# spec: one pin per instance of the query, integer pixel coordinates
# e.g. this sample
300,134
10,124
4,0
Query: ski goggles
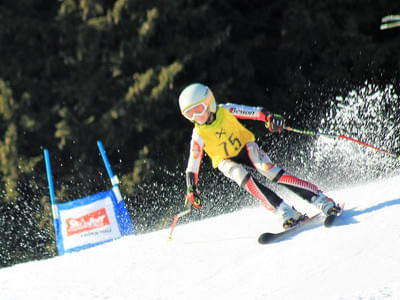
195,111
199,108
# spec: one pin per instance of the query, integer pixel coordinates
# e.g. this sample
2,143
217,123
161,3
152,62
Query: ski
309,223
270,237
330,220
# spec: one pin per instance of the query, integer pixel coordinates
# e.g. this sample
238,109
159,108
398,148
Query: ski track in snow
219,258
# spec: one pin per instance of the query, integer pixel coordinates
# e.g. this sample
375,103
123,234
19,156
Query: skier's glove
275,123
192,197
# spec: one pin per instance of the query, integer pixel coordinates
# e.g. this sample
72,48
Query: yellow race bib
225,137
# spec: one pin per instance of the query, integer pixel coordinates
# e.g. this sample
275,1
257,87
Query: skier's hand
275,123
192,197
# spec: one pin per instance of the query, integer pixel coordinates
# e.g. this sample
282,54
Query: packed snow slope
219,258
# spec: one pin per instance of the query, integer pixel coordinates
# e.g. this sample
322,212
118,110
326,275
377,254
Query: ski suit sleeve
247,112
195,159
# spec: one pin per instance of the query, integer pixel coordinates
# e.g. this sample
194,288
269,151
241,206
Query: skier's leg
267,197
310,192
306,190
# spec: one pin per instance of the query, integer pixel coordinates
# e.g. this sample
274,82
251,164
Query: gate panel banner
90,221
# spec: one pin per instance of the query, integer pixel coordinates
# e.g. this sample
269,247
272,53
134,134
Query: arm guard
191,179
247,112
195,159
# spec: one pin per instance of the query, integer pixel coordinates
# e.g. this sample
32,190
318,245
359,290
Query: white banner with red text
90,221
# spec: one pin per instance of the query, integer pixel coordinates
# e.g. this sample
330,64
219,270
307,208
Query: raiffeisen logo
93,220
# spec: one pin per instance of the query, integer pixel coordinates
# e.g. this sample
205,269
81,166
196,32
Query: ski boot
290,217
325,204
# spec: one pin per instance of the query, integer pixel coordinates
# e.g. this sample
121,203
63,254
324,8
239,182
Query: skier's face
202,118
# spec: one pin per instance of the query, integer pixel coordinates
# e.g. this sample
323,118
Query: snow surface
219,258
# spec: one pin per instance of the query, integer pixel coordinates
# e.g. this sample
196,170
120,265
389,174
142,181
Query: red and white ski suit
232,149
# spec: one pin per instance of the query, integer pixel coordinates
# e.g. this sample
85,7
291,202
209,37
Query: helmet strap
211,118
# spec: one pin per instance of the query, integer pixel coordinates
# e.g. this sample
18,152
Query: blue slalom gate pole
114,179
127,226
49,177
51,191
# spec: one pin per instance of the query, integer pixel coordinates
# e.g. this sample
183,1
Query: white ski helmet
195,99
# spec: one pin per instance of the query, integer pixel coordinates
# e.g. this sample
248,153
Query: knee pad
233,170
261,162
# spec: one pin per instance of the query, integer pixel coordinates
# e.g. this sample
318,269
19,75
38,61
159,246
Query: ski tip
261,238
266,238
329,220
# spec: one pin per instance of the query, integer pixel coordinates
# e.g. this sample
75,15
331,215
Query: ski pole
337,136
181,214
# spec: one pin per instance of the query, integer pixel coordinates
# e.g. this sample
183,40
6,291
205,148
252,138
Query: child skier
232,147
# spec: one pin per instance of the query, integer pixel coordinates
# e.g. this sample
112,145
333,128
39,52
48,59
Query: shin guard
268,198
303,188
